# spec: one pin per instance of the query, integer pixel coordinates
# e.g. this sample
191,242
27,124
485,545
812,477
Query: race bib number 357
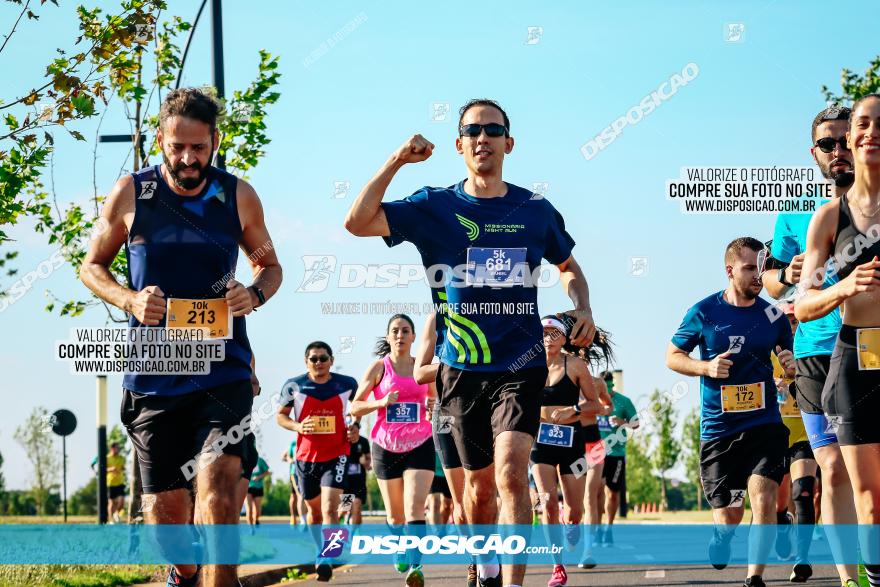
742,398
402,413
212,316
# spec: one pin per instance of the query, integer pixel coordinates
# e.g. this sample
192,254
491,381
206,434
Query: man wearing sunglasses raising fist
814,341
318,401
483,239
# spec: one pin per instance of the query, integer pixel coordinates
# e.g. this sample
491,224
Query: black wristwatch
780,275
260,297
577,409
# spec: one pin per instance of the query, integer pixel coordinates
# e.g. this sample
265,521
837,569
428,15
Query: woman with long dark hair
558,454
402,448
847,229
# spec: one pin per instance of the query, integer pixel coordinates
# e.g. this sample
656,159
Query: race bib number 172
742,398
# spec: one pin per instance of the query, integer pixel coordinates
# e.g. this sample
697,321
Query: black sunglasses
827,144
321,359
493,129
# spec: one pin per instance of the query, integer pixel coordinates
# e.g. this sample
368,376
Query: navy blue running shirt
187,245
716,327
483,255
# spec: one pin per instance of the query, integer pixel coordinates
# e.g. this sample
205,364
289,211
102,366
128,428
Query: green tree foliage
641,484
276,496
853,86
665,454
84,501
690,443
117,434
38,441
126,55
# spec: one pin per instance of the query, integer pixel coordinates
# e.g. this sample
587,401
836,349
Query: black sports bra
848,240
562,393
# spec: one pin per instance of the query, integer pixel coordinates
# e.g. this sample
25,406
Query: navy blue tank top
848,239
188,246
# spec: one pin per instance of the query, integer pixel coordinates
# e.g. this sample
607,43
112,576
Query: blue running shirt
481,255
816,337
716,327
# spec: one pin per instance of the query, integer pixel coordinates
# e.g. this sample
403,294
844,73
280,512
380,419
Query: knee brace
802,494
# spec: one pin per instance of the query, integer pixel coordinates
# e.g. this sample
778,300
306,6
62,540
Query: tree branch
18,20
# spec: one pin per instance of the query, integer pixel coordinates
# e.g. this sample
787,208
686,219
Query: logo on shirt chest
503,228
148,190
736,343
473,230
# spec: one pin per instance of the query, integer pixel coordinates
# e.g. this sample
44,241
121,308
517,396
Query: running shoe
800,573
719,549
754,581
558,577
175,580
490,582
572,536
401,565
849,583
324,571
588,563
607,537
783,538
415,577
472,575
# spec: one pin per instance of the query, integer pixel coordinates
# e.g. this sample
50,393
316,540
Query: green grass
78,575
48,520
689,517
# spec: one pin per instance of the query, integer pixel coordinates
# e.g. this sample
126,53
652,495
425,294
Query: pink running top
403,425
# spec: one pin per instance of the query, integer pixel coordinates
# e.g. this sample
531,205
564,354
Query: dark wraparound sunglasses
321,359
492,129
827,144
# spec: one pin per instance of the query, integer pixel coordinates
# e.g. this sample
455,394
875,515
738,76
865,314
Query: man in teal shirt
297,507
255,492
614,472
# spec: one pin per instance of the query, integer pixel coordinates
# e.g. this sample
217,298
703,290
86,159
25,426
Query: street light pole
217,59
101,401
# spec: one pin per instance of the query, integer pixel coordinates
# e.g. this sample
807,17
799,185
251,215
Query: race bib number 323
742,398
212,316
555,434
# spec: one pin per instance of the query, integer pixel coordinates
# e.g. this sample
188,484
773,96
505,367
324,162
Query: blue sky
343,111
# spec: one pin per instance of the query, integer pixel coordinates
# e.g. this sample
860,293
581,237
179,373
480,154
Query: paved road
537,576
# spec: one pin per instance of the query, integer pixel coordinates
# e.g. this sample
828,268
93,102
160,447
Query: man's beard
186,183
747,292
841,179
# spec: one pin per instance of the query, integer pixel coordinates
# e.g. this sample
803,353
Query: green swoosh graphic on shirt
473,231
484,344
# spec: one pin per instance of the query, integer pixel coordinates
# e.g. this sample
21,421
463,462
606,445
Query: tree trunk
699,497
663,503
